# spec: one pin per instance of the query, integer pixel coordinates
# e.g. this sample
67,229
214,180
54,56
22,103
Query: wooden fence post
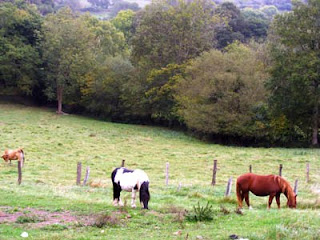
280,170
122,164
250,168
179,187
214,173
78,173
296,187
307,170
19,172
167,173
228,190
87,176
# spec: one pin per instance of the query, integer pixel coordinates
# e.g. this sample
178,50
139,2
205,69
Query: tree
124,22
44,6
122,6
68,53
295,51
172,33
103,85
270,11
162,85
221,92
166,35
239,25
20,25
231,27
256,23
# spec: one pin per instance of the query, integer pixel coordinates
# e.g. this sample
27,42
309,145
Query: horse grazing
259,185
16,154
130,181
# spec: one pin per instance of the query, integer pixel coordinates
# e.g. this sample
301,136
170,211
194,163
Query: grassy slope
54,144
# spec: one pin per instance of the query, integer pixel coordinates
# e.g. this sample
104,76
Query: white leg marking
115,202
133,200
120,203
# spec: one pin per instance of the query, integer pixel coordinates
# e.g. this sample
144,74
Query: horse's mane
285,187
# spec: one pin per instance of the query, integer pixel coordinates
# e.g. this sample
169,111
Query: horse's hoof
250,208
133,206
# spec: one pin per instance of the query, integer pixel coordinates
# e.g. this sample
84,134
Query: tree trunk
59,99
315,124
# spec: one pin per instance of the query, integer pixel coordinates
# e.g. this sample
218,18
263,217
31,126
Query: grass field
54,144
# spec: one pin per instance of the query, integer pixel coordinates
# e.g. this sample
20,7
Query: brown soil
9,215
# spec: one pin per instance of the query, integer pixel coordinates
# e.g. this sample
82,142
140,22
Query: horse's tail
239,194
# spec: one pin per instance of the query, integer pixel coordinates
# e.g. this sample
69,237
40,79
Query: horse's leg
270,199
240,200
246,197
120,202
133,199
278,199
116,194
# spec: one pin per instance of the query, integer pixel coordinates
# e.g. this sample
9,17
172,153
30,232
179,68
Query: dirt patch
36,218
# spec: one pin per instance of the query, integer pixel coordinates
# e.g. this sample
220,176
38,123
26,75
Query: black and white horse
130,181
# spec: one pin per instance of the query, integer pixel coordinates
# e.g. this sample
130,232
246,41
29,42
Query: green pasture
54,145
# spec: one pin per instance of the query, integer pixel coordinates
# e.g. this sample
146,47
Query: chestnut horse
16,154
269,185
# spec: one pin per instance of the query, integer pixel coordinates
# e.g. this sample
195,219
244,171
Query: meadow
54,145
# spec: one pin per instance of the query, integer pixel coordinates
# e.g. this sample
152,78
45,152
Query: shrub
200,213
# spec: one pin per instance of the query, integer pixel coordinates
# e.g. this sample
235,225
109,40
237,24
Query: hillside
55,144
281,5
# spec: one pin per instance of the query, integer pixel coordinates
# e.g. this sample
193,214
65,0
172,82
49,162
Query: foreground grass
54,144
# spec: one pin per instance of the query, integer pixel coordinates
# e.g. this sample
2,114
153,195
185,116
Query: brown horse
16,154
259,185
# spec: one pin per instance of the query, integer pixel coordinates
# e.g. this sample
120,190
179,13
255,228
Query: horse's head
288,192
144,194
292,201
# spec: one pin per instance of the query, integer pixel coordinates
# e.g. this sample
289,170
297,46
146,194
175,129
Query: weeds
29,218
106,220
224,210
55,227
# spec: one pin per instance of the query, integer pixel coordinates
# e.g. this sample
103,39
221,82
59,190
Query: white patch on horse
129,180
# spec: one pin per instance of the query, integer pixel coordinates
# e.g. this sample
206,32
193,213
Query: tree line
236,76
